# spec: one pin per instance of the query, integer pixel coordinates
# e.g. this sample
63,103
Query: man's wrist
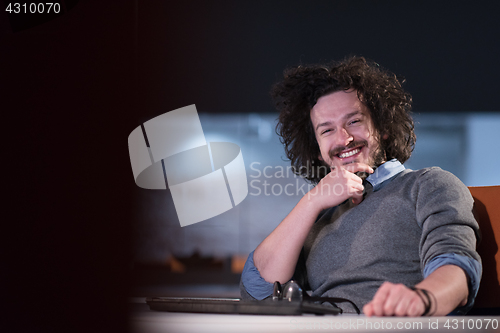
428,299
312,205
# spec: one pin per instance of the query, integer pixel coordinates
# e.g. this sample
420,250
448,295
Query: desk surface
144,320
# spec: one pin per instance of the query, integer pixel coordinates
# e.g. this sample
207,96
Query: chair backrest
487,212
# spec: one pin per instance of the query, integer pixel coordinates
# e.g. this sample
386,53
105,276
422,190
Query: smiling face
344,130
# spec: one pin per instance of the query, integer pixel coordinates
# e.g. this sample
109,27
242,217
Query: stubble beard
377,157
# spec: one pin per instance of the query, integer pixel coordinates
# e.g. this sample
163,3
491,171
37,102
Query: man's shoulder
430,177
427,173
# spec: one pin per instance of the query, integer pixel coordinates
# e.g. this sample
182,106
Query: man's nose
343,137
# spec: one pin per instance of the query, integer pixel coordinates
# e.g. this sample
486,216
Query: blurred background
77,83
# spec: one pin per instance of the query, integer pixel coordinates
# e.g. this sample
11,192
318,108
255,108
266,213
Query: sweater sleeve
449,230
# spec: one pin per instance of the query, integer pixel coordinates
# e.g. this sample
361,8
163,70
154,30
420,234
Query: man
399,242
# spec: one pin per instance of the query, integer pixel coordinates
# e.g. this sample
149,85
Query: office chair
487,213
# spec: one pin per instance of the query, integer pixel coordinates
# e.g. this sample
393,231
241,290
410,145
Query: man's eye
354,122
326,131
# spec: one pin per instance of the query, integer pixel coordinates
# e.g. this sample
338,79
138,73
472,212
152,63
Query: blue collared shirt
259,288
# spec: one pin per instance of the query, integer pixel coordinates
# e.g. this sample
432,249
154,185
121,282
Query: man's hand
395,300
339,185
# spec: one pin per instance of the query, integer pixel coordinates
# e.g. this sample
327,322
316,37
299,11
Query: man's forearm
277,255
449,286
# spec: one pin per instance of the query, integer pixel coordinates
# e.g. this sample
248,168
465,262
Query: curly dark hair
378,89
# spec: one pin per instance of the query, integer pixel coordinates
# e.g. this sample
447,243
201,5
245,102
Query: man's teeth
349,153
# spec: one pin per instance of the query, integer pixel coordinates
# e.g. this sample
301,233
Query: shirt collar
384,174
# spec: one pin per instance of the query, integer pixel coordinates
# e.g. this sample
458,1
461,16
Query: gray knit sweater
390,236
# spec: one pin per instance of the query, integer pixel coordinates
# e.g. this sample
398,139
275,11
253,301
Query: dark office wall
67,86
224,55
74,87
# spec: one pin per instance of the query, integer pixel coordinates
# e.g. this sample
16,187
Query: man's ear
385,136
320,158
